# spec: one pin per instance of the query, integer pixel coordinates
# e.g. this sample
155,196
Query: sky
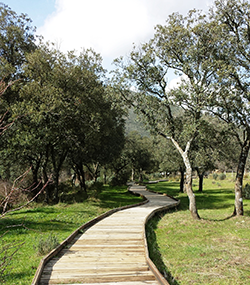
110,27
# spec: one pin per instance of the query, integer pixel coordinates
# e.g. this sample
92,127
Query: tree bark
182,171
132,174
238,206
56,171
189,190
35,165
188,184
201,177
81,177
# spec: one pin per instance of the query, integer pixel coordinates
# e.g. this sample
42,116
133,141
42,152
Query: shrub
215,176
222,176
246,191
45,245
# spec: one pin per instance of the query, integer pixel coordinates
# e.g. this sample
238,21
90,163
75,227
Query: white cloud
110,27
174,83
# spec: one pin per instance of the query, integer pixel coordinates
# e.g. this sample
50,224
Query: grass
214,250
39,222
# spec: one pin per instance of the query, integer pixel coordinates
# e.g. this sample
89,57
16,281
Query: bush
246,191
45,245
222,176
215,176
120,179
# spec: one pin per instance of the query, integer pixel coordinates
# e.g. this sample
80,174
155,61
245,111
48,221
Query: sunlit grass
60,220
214,250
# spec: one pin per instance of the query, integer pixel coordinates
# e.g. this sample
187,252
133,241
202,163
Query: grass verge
39,222
214,250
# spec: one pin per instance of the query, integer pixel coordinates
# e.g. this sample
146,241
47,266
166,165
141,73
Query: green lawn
214,250
59,220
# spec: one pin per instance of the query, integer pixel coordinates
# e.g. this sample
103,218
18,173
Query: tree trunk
82,178
201,177
188,188
132,174
35,165
105,175
238,207
140,175
182,171
96,170
56,170
45,176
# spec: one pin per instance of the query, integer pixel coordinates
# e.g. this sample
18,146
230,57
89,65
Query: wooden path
113,251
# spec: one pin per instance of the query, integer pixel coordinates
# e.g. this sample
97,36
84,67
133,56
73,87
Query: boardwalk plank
112,252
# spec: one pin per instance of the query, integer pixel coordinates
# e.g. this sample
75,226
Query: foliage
46,244
246,191
230,97
215,176
222,176
65,114
182,46
17,38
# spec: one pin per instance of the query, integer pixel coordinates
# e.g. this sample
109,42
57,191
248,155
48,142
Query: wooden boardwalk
113,251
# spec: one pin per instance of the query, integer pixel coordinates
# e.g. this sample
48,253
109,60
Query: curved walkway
113,251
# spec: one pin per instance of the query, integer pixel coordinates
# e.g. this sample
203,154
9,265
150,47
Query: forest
65,123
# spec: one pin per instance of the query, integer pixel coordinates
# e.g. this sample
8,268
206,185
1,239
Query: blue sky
110,27
38,10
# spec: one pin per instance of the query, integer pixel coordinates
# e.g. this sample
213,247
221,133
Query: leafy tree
138,157
65,113
17,39
230,99
140,150
183,46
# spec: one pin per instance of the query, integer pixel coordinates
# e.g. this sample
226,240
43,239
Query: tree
230,99
183,46
17,39
65,113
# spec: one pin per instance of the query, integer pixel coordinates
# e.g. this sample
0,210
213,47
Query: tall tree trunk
82,177
140,175
238,206
56,170
105,175
188,184
35,165
182,171
189,190
45,176
96,170
132,174
201,177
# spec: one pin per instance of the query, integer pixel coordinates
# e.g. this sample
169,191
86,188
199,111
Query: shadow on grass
43,220
47,218
154,251
118,199
15,278
209,199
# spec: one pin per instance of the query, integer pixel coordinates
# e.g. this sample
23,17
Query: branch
26,204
